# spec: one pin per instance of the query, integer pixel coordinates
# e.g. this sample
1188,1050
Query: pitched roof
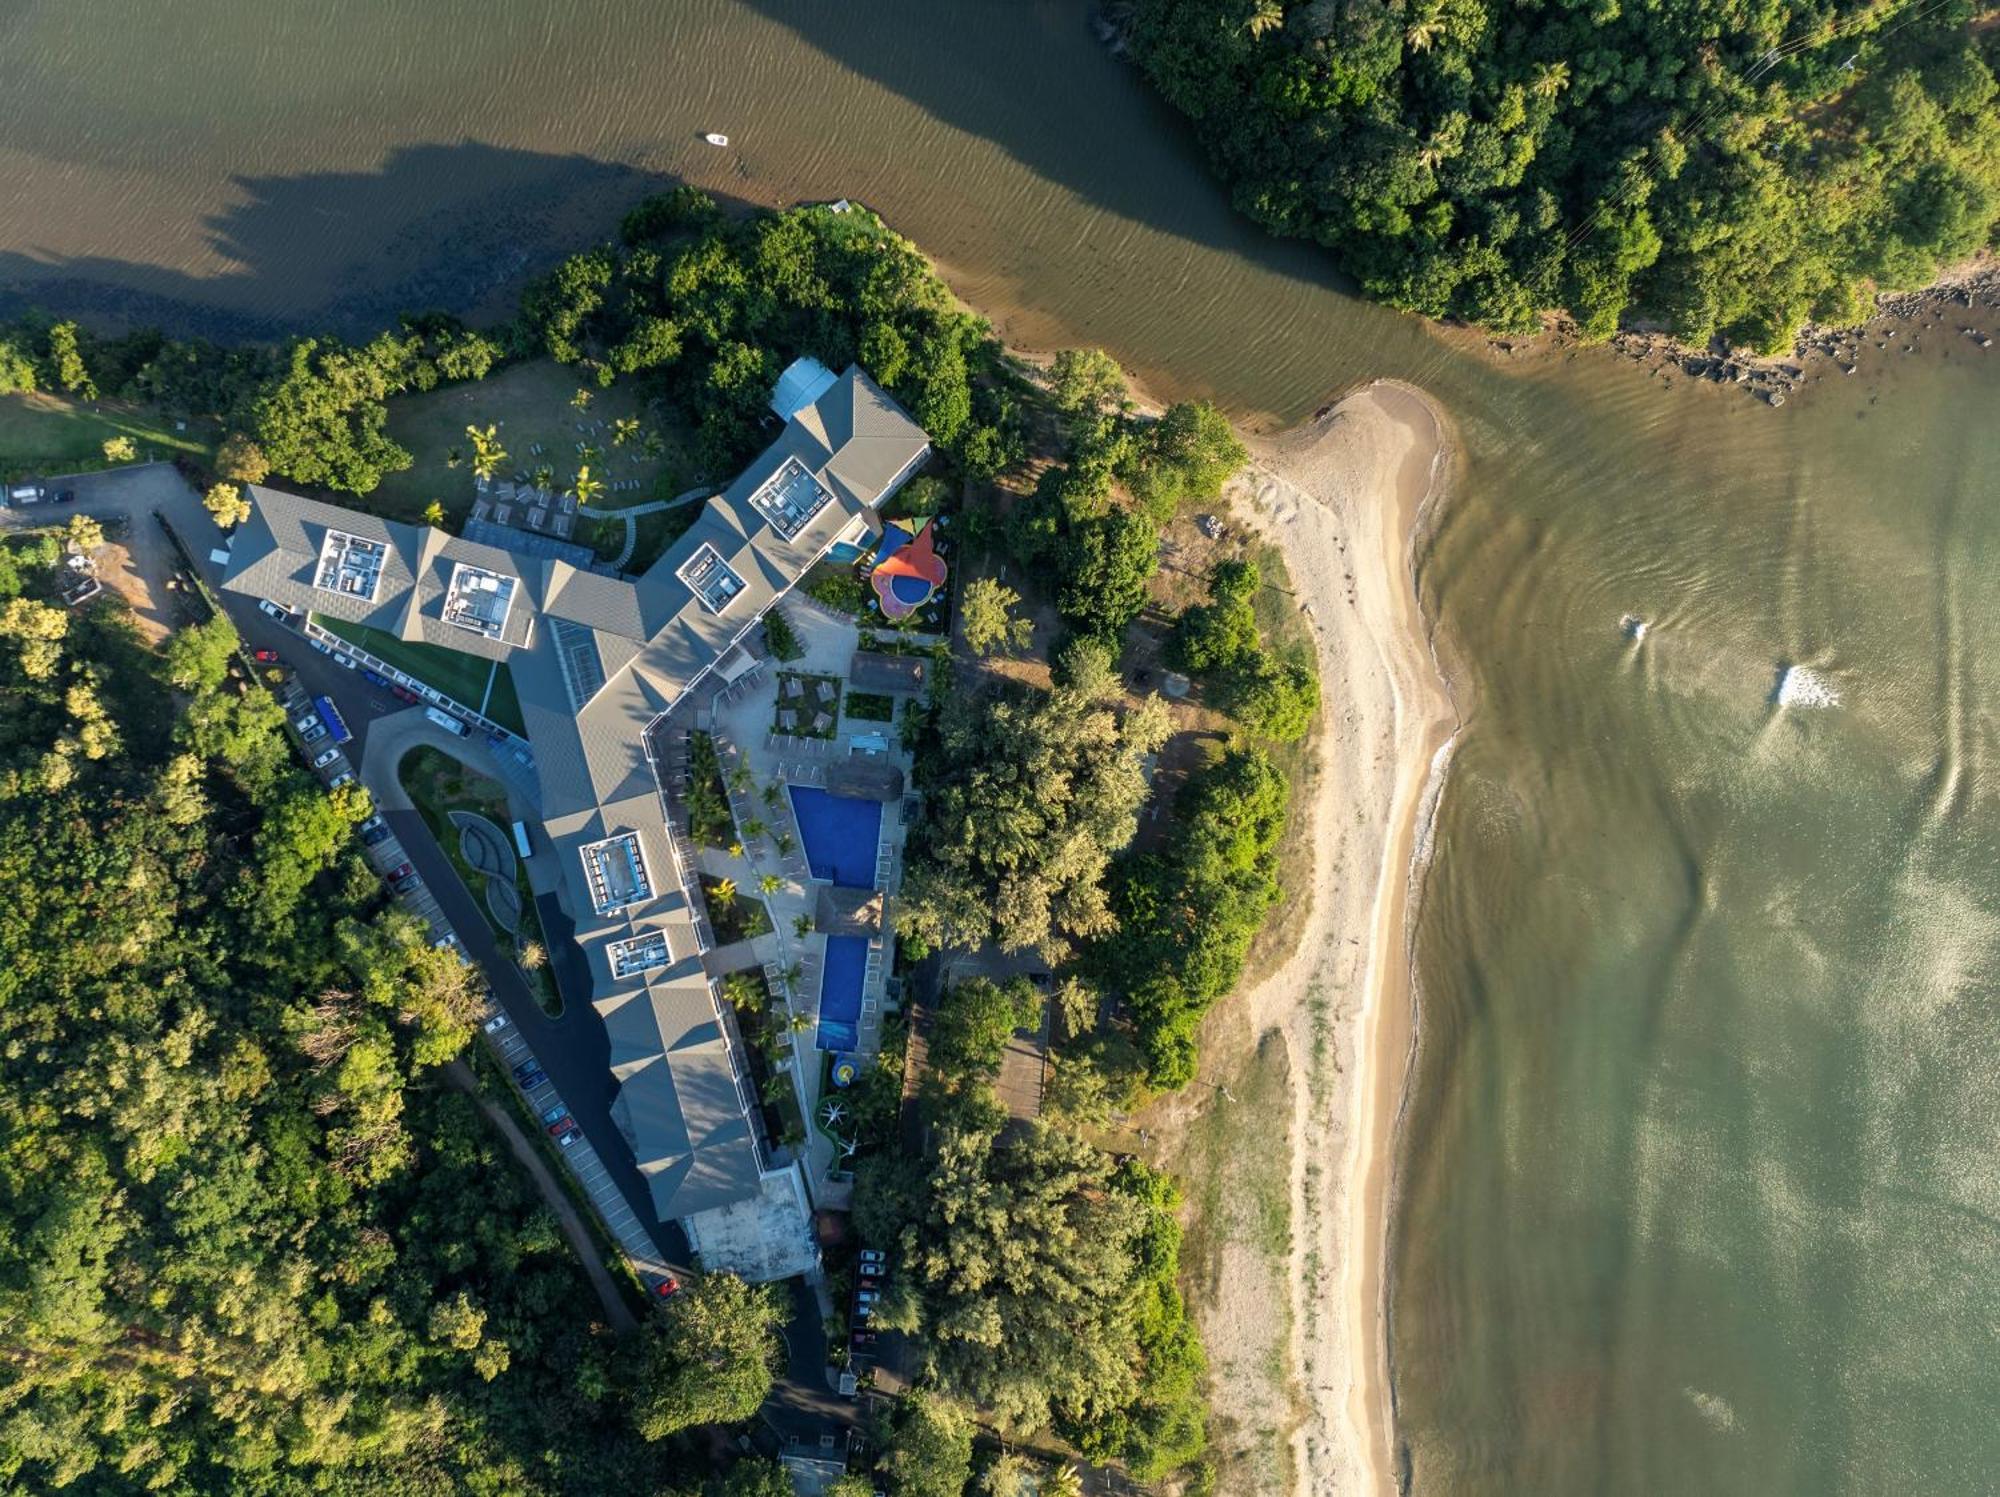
595,660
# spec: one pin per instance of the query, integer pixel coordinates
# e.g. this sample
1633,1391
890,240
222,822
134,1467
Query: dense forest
249,1241
1731,169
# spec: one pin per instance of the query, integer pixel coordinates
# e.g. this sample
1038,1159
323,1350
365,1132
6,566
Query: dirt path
617,1313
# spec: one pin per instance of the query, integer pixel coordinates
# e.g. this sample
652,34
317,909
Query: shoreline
1349,496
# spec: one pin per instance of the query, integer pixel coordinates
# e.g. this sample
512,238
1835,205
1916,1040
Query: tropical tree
241,459
533,955
1551,78
581,400
986,615
487,453
624,430
226,504
1424,30
723,894
120,449
710,1357
1265,16
586,488
434,513
83,534
770,884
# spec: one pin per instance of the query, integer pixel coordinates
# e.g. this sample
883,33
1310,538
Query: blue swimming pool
840,834
840,992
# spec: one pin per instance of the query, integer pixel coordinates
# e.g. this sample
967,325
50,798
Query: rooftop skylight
790,497
639,954
710,578
479,599
350,566
616,870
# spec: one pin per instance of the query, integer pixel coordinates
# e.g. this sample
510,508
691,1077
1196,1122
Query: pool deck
741,721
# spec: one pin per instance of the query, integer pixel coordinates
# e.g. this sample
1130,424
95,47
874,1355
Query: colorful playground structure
908,569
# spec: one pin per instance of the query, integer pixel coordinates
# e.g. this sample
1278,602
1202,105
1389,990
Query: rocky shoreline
1902,323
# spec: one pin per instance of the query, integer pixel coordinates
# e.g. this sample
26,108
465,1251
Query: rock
1775,398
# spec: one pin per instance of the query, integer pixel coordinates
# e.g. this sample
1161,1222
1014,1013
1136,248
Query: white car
497,1023
326,758
322,646
267,606
312,732
343,778
347,660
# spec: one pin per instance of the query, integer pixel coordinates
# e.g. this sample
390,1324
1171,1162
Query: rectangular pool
840,834
840,992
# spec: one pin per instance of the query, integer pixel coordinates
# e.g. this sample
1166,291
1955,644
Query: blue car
528,1073
375,678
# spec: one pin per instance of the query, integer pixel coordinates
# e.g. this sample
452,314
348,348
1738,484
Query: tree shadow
1032,80
453,227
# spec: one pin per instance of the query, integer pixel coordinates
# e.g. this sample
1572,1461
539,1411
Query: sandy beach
1343,496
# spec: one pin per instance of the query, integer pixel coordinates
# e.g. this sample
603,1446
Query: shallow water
1701,1193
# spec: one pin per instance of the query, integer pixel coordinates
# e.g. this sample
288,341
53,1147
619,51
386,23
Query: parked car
862,1338
874,1255
867,1296
533,1077
862,1312
874,1270
65,496
265,657
312,732
497,1023
374,678
565,1124
326,758
668,1287
401,870
405,884
570,1134
447,942
404,694
322,646
265,605
343,778
555,1114
373,830
348,661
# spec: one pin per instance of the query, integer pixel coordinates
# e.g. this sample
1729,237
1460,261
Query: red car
268,657
403,693
561,1126
668,1287
401,870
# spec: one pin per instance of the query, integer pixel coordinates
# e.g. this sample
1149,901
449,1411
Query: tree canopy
1728,168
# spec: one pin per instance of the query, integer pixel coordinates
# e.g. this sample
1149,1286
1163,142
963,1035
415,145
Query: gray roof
595,660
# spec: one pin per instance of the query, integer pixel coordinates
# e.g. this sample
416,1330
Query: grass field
459,676
530,404
41,434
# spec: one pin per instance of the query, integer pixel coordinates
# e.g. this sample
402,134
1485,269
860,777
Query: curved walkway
650,507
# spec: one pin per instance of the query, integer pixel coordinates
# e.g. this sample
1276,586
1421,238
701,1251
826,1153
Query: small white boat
715,139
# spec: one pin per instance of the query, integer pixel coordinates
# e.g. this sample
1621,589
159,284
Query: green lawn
459,676
530,404
42,434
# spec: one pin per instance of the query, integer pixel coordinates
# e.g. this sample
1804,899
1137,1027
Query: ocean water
1699,1183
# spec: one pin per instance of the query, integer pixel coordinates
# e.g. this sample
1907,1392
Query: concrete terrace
598,662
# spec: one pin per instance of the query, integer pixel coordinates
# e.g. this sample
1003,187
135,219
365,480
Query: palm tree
1423,31
793,976
1063,1482
586,487
770,884
736,849
1265,15
533,955
723,895
785,844
753,828
581,400
798,1023
1551,78
487,453
625,429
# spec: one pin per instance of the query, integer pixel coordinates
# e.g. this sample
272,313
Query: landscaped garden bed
767,1029
736,914
808,706
709,821
870,707
437,785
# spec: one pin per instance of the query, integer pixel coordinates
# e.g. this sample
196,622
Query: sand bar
1344,495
